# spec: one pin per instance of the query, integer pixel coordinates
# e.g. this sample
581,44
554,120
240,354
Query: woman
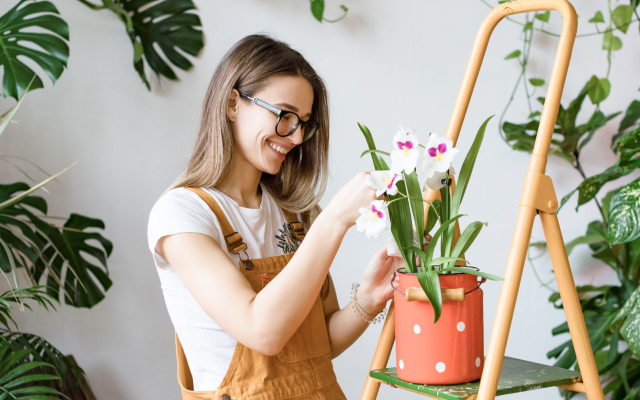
246,327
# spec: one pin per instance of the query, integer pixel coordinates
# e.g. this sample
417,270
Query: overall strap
231,237
295,224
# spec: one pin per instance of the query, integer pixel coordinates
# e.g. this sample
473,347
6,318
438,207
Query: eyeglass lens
289,122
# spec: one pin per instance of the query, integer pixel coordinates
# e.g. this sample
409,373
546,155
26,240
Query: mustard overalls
302,370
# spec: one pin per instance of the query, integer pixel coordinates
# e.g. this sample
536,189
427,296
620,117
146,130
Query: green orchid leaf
168,24
544,17
430,283
536,81
433,215
474,272
436,237
378,162
364,153
624,214
466,238
317,9
52,53
597,18
467,168
447,260
513,54
610,41
621,17
416,203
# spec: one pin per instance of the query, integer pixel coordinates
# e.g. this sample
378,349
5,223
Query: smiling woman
253,305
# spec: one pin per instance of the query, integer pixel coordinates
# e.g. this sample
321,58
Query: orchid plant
402,208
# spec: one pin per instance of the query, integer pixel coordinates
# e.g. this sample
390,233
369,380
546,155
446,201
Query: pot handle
414,294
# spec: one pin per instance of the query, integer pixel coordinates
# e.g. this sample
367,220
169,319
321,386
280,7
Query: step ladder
503,375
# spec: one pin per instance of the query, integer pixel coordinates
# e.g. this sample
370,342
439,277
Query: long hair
303,175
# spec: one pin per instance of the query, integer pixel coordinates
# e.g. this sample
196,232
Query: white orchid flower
373,220
383,181
437,181
406,153
438,155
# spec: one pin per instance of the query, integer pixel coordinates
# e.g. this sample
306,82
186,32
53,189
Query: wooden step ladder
504,375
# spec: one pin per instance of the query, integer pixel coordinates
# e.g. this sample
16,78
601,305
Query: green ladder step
516,376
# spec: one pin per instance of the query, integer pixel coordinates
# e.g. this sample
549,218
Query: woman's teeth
278,148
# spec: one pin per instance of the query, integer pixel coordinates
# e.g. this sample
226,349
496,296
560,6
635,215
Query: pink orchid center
438,153
407,147
376,214
388,182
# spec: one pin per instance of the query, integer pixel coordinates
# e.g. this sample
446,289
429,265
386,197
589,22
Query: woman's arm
344,326
267,320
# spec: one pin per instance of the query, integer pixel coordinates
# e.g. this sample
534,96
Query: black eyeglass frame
280,113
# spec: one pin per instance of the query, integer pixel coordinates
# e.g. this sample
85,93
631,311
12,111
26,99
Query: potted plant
438,304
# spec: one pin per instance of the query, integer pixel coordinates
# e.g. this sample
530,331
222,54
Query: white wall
386,63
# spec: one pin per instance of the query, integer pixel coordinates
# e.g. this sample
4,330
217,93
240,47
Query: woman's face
254,130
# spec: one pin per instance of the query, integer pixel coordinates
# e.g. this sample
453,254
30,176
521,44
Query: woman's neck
242,184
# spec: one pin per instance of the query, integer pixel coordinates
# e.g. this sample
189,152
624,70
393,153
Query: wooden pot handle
417,294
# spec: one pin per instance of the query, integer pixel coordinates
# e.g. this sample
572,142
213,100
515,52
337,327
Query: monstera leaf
72,260
52,57
169,25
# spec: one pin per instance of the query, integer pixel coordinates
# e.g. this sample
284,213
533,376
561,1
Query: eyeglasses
288,121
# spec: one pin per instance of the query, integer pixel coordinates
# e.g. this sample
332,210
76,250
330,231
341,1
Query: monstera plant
611,312
169,24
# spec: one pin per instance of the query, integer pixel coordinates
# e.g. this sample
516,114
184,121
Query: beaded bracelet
360,312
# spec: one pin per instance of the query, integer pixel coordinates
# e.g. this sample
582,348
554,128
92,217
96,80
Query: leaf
474,272
436,236
430,283
536,81
168,25
16,199
527,26
433,215
6,118
317,9
534,114
50,53
631,116
466,238
621,17
513,54
417,205
597,17
467,168
378,163
374,151
583,240
624,214
628,321
544,17
610,41
598,89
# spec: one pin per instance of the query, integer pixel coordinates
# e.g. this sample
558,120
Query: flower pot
448,352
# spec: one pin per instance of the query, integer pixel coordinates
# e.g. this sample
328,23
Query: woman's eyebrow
292,108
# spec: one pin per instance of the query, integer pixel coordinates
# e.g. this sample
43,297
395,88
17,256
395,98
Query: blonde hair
247,66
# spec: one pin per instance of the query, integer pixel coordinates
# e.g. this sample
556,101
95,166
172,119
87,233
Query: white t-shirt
206,345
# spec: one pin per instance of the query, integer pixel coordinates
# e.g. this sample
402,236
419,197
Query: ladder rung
516,376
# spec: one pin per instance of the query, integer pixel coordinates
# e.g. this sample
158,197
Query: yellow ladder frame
538,197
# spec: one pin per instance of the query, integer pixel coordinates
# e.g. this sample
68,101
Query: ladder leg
571,303
506,304
381,356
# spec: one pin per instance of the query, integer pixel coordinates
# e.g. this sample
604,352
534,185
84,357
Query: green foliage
513,54
317,10
597,17
53,56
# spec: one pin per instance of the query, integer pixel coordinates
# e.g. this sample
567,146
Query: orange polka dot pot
448,352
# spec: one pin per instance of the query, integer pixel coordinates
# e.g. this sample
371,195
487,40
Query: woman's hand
375,290
344,206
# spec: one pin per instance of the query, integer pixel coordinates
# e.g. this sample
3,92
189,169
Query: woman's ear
232,107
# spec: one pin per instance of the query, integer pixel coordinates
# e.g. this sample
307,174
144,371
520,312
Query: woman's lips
280,155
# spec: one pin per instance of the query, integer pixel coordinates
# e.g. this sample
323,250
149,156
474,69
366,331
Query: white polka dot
478,362
416,328
401,364
440,367
460,326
